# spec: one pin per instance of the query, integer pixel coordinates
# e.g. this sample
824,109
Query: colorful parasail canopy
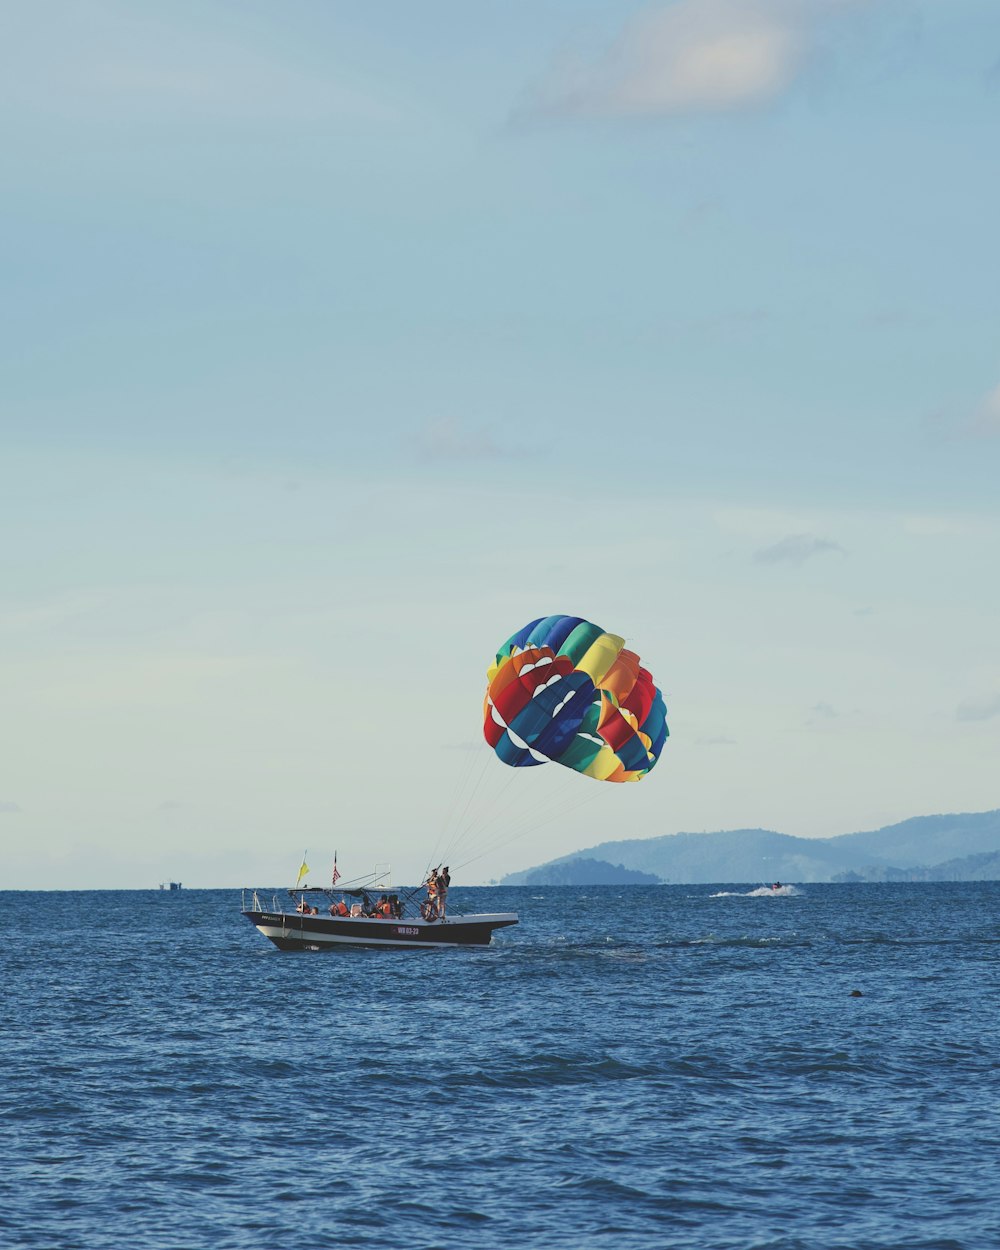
562,689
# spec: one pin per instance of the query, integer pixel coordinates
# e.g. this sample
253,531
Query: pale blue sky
340,339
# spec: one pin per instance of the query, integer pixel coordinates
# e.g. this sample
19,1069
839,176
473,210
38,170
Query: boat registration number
407,931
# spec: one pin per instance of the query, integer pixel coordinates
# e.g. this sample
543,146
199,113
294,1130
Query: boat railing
409,908
255,903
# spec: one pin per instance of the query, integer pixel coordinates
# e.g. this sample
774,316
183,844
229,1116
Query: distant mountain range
957,847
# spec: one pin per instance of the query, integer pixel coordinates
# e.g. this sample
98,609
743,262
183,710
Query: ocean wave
763,891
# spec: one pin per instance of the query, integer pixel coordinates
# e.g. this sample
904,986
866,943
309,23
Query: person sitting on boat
305,908
383,908
339,909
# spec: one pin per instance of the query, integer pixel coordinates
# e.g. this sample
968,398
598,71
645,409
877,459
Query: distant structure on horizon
170,885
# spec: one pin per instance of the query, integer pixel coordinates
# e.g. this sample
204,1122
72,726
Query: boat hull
292,932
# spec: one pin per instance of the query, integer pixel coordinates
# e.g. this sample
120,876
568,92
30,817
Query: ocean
676,1066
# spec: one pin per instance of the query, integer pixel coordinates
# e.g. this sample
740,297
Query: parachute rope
585,800
448,835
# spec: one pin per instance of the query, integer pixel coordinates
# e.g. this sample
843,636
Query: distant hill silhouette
985,867
955,847
587,872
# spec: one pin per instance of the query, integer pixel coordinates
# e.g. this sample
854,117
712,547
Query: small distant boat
170,885
314,923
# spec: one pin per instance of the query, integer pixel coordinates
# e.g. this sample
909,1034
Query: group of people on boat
388,906
435,905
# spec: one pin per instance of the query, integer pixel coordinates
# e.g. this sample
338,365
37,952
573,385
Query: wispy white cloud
7,807
985,707
936,525
985,422
795,549
101,57
449,439
727,322
689,57
824,716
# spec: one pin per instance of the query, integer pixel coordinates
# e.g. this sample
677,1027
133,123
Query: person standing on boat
432,895
443,882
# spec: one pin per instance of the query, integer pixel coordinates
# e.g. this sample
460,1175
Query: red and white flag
336,874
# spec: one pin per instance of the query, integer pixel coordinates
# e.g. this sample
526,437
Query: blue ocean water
681,1066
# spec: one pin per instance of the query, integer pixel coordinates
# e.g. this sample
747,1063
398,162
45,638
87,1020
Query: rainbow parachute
562,689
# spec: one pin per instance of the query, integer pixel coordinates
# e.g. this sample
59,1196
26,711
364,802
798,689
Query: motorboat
315,922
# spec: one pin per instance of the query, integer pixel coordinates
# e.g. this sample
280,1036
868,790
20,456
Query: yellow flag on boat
303,872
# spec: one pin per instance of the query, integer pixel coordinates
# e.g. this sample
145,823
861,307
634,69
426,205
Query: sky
340,340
